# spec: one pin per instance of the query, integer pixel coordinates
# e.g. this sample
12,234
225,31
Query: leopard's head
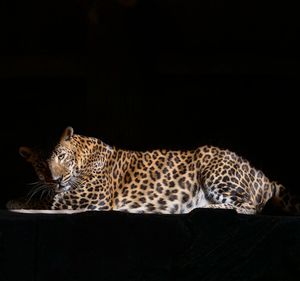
63,162
76,157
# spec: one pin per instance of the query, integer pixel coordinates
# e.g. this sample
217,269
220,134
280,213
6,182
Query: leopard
88,174
36,158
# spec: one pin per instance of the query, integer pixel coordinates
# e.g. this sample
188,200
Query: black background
174,74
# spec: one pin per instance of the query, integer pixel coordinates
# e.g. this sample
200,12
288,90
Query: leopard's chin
59,188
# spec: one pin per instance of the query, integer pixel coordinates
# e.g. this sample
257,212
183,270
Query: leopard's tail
286,201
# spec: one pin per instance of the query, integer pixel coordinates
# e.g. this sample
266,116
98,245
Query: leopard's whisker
49,192
31,196
43,192
33,183
35,190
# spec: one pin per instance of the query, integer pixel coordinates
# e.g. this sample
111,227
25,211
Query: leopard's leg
228,195
224,190
19,203
242,209
219,206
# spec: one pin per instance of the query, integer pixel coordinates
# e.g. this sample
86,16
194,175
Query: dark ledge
202,245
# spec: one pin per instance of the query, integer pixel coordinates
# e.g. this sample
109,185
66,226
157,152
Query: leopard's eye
61,156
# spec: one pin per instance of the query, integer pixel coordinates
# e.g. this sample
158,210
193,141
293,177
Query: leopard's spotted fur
90,174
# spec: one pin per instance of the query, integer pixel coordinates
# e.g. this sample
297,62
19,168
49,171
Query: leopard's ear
67,134
25,152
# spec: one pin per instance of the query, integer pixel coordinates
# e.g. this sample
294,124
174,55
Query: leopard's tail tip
285,200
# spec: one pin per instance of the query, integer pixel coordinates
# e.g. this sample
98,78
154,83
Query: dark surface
202,245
